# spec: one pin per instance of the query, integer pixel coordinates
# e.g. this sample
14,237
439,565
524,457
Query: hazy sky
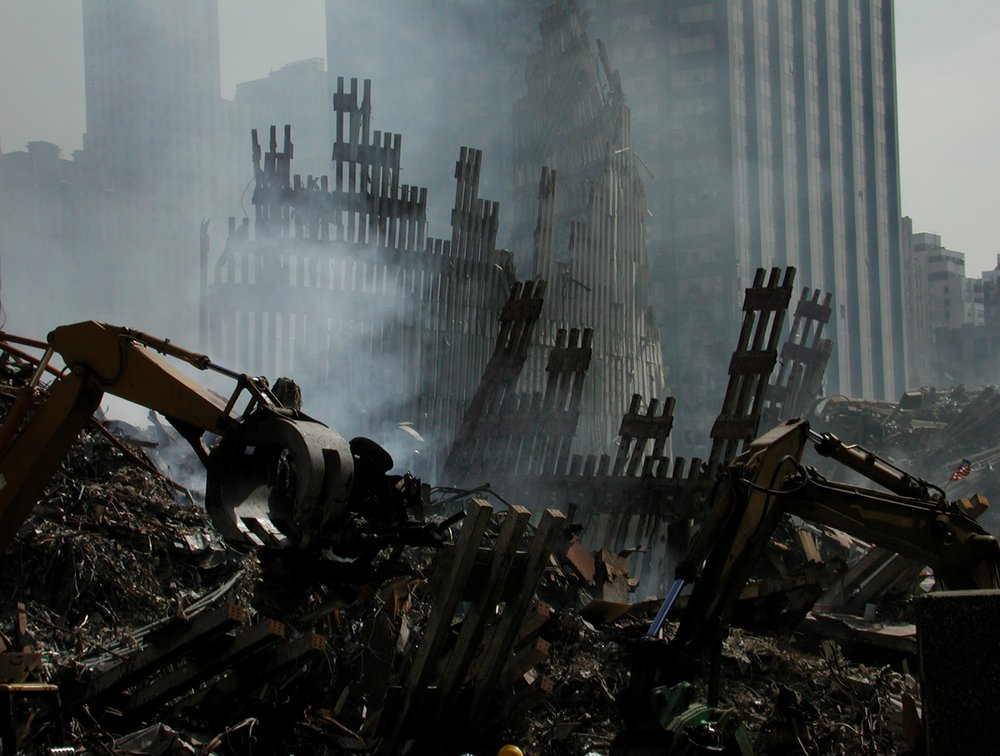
948,81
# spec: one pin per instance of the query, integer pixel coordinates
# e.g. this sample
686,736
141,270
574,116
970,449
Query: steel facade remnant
636,499
338,282
517,323
507,433
756,353
637,429
643,496
216,653
484,652
532,433
804,356
579,211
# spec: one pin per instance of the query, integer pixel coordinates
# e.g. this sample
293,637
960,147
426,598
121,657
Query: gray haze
948,57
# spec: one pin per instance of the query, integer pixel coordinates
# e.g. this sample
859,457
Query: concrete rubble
115,564
454,620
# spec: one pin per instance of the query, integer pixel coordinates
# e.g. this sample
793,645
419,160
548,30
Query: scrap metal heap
157,637
519,442
142,624
300,525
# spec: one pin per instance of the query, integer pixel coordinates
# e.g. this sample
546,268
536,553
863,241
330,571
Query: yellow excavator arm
277,477
912,518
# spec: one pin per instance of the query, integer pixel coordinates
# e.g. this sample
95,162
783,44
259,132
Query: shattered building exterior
337,281
579,208
768,140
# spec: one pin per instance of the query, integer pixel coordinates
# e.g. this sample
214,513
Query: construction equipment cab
912,517
276,478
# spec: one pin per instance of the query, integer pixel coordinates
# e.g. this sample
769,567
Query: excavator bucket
278,482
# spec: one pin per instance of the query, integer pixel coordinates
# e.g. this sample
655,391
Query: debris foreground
114,563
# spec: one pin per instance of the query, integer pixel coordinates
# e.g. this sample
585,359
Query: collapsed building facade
550,390
579,207
544,442
337,278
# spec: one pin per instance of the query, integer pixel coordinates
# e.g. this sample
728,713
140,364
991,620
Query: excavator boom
279,479
912,518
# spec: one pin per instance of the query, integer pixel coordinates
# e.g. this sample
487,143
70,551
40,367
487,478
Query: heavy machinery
912,517
276,478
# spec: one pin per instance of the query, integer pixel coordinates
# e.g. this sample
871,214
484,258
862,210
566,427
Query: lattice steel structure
337,283
578,220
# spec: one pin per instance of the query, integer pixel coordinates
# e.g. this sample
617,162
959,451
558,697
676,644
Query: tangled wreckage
317,603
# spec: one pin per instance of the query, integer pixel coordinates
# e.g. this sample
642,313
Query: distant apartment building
953,299
991,295
770,129
919,335
961,344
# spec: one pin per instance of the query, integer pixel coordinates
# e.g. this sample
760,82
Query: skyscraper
770,126
154,129
152,85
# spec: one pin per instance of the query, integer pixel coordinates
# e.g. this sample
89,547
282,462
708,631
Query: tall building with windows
152,84
155,131
917,309
961,339
954,299
770,128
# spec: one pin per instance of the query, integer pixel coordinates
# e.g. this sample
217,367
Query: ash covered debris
398,617
930,431
372,614
567,701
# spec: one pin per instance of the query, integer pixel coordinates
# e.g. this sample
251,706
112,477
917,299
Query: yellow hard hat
510,750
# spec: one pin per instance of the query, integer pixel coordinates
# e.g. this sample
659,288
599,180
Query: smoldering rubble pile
137,610
790,697
930,432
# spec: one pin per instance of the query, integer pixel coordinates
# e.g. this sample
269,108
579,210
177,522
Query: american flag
962,470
